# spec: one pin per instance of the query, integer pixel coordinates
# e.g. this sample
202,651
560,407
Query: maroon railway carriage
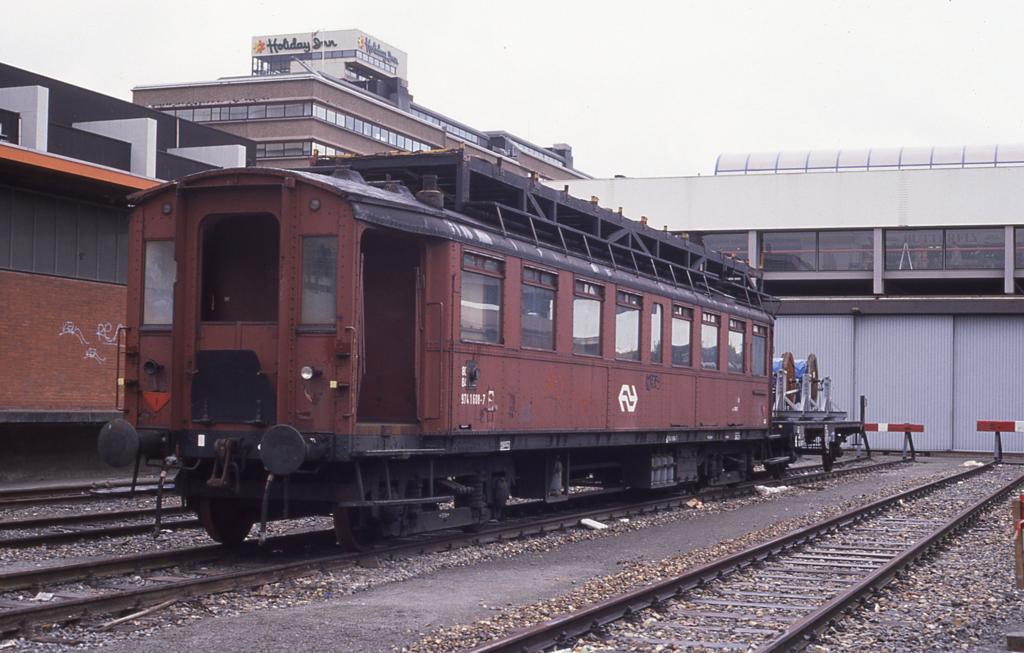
328,342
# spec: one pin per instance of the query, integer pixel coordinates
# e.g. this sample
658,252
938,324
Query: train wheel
225,520
354,529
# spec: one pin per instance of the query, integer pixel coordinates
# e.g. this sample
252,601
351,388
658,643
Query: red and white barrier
999,427
884,427
905,428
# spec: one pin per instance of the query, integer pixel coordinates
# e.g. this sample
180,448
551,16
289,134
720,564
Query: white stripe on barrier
883,427
1018,426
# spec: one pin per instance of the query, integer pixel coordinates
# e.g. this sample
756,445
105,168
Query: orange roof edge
74,167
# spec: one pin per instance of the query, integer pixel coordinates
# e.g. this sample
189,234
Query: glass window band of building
808,251
279,110
537,154
956,248
448,127
734,244
1019,247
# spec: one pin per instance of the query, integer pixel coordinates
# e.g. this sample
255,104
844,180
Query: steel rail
38,539
563,628
19,618
46,521
84,486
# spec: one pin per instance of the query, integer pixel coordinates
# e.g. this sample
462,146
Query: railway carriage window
627,326
481,298
158,292
709,341
682,327
537,310
656,327
319,279
586,318
737,333
759,351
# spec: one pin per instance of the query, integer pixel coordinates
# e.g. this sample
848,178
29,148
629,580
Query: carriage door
236,359
387,392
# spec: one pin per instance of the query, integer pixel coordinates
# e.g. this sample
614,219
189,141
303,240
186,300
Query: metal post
863,413
908,439
998,453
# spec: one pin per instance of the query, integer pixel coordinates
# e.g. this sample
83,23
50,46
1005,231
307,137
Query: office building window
845,250
729,244
974,249
789,251
1020,248
913,249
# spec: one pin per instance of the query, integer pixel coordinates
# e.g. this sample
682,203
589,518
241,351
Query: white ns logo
628,398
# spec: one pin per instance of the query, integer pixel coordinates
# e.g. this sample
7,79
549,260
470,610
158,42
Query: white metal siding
988,367
904,367
830,339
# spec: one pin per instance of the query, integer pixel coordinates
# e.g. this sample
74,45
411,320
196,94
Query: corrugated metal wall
830,338
988,360
905,369
942,371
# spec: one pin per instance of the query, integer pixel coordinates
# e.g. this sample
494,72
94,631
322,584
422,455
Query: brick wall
53,342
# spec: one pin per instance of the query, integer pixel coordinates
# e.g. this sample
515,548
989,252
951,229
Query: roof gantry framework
523,208
883,158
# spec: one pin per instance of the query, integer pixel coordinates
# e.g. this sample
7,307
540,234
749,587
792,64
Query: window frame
306,239
740,327
759,331
683,314
145,286
540,283
581,291
657,318
481,270
711,320
634,302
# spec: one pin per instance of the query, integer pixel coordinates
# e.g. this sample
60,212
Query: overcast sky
637,88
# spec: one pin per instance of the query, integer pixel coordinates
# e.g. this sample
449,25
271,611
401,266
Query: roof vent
430,194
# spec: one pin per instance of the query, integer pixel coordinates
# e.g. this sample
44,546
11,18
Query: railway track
75,493
80,526
776,596
252,566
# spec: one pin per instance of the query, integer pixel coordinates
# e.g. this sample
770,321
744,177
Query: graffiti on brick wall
106,336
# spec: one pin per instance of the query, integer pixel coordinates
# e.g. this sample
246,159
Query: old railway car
405,342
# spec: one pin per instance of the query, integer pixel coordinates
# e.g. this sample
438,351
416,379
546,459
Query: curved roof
882,158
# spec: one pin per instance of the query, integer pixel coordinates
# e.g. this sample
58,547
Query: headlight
307,372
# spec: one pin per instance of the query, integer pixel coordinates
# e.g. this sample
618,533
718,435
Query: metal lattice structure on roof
883,158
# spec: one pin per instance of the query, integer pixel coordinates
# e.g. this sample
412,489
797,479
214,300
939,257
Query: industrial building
69,158
901,269
336,93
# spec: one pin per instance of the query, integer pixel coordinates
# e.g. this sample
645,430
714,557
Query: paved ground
391,615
